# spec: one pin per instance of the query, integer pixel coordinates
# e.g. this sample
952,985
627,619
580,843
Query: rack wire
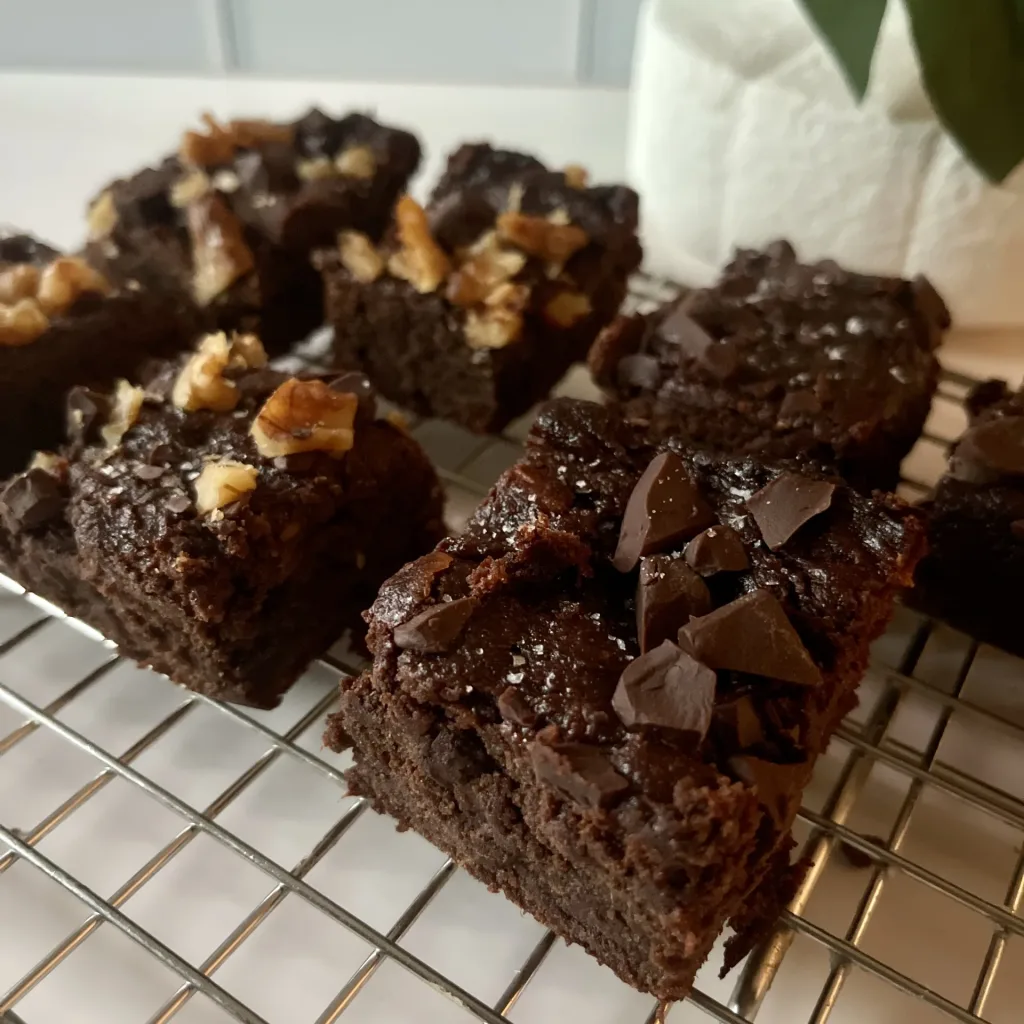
934,709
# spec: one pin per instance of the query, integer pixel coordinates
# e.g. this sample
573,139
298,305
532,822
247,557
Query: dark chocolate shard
550,494
741,719
664,510
717,549
995,447
515,708
435,629
797,404
639,370
784,505
666,687
578,772
775,784
751,634
668,592
32,499
720,357
86,411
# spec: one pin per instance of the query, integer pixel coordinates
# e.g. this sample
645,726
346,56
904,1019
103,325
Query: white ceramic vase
743,130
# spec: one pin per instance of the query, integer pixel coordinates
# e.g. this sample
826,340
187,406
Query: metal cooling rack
927,930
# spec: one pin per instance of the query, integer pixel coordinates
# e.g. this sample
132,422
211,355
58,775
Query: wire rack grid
145,879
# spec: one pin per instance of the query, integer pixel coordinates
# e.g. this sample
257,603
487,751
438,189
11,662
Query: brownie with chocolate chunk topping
62,323
623,687
972,574
229,221
225,522
785,360
474,307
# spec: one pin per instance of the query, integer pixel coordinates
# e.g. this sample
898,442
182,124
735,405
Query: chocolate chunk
780,251
717,549
160,454
668,592
316,134
859,858
436,628
145,472
751,634
665,509
143,200
271,168
178,503
775,784
20,248
456,757
639,371
666,687
577,771
720,357
741,719
797,404
32,499
514,707
550,494
85,412
784,505
997,447
460,218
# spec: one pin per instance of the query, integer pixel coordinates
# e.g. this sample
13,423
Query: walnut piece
64,281
124,410
356,162
187,190
500,322
223,482
359,256
19,281
218,143
576,176
315,169
22,322
220,254
420,261
305,416
49,462
567,308
543,237
486,265
201,384
102,216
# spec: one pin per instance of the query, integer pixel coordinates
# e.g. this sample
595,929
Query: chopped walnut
187,190
247,353
248,133
356,162
226,181
359,256
64,281
420,261
514,202
315,169
19,281
22,323
576,176
305,416
102,216
223,482
202,384
567,308
218,143
542,237
50,462
124,410
219,250
487,265
500,322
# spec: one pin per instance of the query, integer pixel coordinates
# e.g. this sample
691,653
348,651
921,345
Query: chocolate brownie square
785,360
606,697
475,307
62,323
972,574
229,221
225,523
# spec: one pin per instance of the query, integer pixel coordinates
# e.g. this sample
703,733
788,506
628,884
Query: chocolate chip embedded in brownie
973,571
225,523
230,220
786,360
606,697
473,309
62,323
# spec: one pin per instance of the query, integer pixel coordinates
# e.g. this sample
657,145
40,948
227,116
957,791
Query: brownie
225,523
973,572
475,307
785,360
62,323
606,697
229,221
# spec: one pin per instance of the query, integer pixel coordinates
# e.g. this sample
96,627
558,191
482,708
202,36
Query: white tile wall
529,42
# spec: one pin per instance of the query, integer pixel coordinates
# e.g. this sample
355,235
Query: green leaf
973,68
850,28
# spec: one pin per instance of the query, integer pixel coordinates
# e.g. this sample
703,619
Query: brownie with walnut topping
225,523
606,697
62,323
229,221
785,360
473,308
972,574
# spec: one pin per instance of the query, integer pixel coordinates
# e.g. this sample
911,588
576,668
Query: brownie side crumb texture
972,575
473,309
786,360
62,323
629,781
225,524
229,221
